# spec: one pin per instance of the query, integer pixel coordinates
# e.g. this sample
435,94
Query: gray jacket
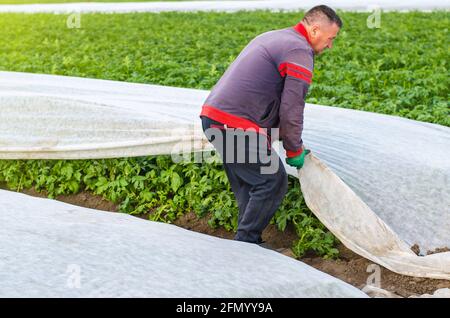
266,85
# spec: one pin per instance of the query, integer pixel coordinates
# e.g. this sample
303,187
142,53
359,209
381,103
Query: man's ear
315,30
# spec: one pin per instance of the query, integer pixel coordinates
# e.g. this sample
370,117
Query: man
264,89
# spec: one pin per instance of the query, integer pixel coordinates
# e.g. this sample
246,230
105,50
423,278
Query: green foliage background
399,69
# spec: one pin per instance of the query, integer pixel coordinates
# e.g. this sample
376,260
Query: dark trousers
258,193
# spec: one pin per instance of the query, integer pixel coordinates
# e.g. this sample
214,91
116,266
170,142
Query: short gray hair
322,11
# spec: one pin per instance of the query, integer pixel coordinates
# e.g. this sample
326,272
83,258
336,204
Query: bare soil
350,267
439,250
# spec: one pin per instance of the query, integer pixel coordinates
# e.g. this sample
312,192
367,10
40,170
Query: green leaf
176,181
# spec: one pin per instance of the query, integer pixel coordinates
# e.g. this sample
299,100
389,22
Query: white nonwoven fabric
54,249
224,6
379,183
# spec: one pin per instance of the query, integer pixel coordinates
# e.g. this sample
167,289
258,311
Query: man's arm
296,67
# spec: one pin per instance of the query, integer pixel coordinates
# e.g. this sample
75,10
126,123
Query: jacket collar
299,27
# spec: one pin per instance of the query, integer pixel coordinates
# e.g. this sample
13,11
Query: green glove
299,160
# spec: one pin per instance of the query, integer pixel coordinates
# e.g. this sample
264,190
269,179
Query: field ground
399,69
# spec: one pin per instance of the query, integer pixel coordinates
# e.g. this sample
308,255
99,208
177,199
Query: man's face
322,36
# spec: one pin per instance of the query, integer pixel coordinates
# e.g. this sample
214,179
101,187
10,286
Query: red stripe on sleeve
299,68
298,75
296,71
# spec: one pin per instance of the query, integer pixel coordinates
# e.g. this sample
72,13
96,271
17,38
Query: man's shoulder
286,39
285,32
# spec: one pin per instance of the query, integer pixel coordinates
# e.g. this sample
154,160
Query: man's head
322,25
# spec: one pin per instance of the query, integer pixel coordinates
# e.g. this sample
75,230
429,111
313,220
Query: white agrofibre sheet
379,183
54,249
224,6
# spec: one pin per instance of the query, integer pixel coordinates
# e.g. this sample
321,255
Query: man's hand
299,160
